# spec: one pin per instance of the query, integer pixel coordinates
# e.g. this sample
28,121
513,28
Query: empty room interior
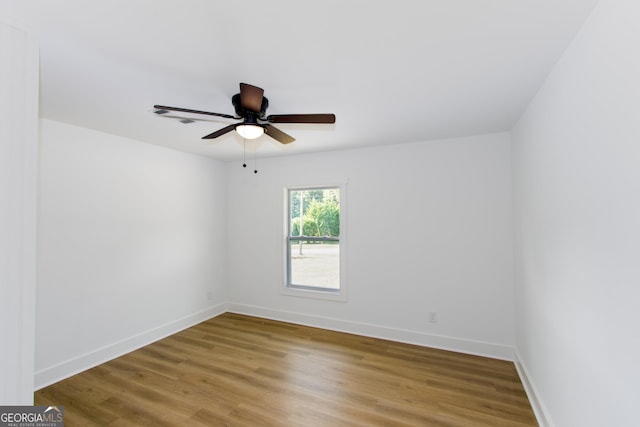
437,223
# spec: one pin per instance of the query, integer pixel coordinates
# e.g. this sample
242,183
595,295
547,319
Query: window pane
315,265
314,221
318,210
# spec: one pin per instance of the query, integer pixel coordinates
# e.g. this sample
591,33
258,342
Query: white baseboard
496,351
86,361
538,407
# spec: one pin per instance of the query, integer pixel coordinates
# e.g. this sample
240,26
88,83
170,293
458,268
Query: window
314,258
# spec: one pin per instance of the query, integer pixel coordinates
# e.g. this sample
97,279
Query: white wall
18,164
428,226
577,186
131,246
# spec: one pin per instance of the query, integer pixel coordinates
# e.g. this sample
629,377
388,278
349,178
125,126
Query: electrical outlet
209,296
433,317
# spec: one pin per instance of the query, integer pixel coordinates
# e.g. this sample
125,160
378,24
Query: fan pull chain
255,162
244,153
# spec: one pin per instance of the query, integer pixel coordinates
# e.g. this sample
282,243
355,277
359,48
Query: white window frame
309,291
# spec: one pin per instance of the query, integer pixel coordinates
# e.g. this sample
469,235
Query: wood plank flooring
235,370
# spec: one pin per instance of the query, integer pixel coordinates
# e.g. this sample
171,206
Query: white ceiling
392,71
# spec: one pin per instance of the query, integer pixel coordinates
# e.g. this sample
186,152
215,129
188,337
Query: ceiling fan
251,106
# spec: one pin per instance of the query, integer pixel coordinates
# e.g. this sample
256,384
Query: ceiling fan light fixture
250,131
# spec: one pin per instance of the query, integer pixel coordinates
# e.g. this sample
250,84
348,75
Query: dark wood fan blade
220,132
187,110
251,97
182,119
302,118
278,135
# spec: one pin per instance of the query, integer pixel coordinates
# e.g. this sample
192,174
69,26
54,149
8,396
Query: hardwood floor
236,370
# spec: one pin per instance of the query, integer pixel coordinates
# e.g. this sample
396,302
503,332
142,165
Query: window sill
328,295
